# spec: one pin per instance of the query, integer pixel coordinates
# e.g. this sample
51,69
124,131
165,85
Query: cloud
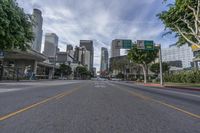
100,20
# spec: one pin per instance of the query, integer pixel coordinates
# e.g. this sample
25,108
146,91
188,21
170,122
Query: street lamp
54,65
160,61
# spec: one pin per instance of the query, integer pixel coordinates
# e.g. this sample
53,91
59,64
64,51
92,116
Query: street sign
149,45
145,44
195,48
126,44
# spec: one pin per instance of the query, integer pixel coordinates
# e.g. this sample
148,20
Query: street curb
183,88
23,81
165,86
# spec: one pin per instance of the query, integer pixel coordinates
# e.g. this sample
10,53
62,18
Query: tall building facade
88,44
65,57
69,47
115,49
177,55
104,60
37,30
84,57
51,45
94,71
76,54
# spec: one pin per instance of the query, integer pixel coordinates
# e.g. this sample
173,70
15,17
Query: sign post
161,70
160,62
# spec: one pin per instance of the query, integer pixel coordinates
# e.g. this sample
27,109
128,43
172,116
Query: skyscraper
69,47
88,44
51,45
115,48
94,71
76,54
37,30
84,57
104,60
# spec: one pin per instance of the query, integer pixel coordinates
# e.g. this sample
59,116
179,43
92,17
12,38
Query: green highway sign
145,44
149,45
127,44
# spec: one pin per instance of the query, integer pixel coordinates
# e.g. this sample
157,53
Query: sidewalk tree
119,64
156,67
142,58
65,70
120,75
183,18
82,72
15,26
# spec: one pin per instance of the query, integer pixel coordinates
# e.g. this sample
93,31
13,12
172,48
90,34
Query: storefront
18,65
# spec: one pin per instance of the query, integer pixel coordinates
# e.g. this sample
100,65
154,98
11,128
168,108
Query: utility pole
54,65
161,70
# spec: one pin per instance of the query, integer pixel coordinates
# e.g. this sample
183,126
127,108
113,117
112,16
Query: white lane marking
31,85
110,84
39,83
12,88
8,90
99,85
170,91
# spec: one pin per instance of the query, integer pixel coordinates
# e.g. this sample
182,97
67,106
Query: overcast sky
101,21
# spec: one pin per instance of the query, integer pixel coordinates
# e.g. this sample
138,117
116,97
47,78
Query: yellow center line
142,96
37,104
176,108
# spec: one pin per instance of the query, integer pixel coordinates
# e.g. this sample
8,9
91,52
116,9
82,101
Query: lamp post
54,65
160,60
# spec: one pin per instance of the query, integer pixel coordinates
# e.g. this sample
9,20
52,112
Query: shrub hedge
192,76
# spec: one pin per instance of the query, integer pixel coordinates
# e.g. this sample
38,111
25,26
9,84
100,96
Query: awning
29,55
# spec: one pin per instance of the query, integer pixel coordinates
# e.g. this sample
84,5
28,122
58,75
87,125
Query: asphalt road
96,107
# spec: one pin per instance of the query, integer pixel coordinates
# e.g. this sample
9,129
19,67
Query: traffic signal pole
161,70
